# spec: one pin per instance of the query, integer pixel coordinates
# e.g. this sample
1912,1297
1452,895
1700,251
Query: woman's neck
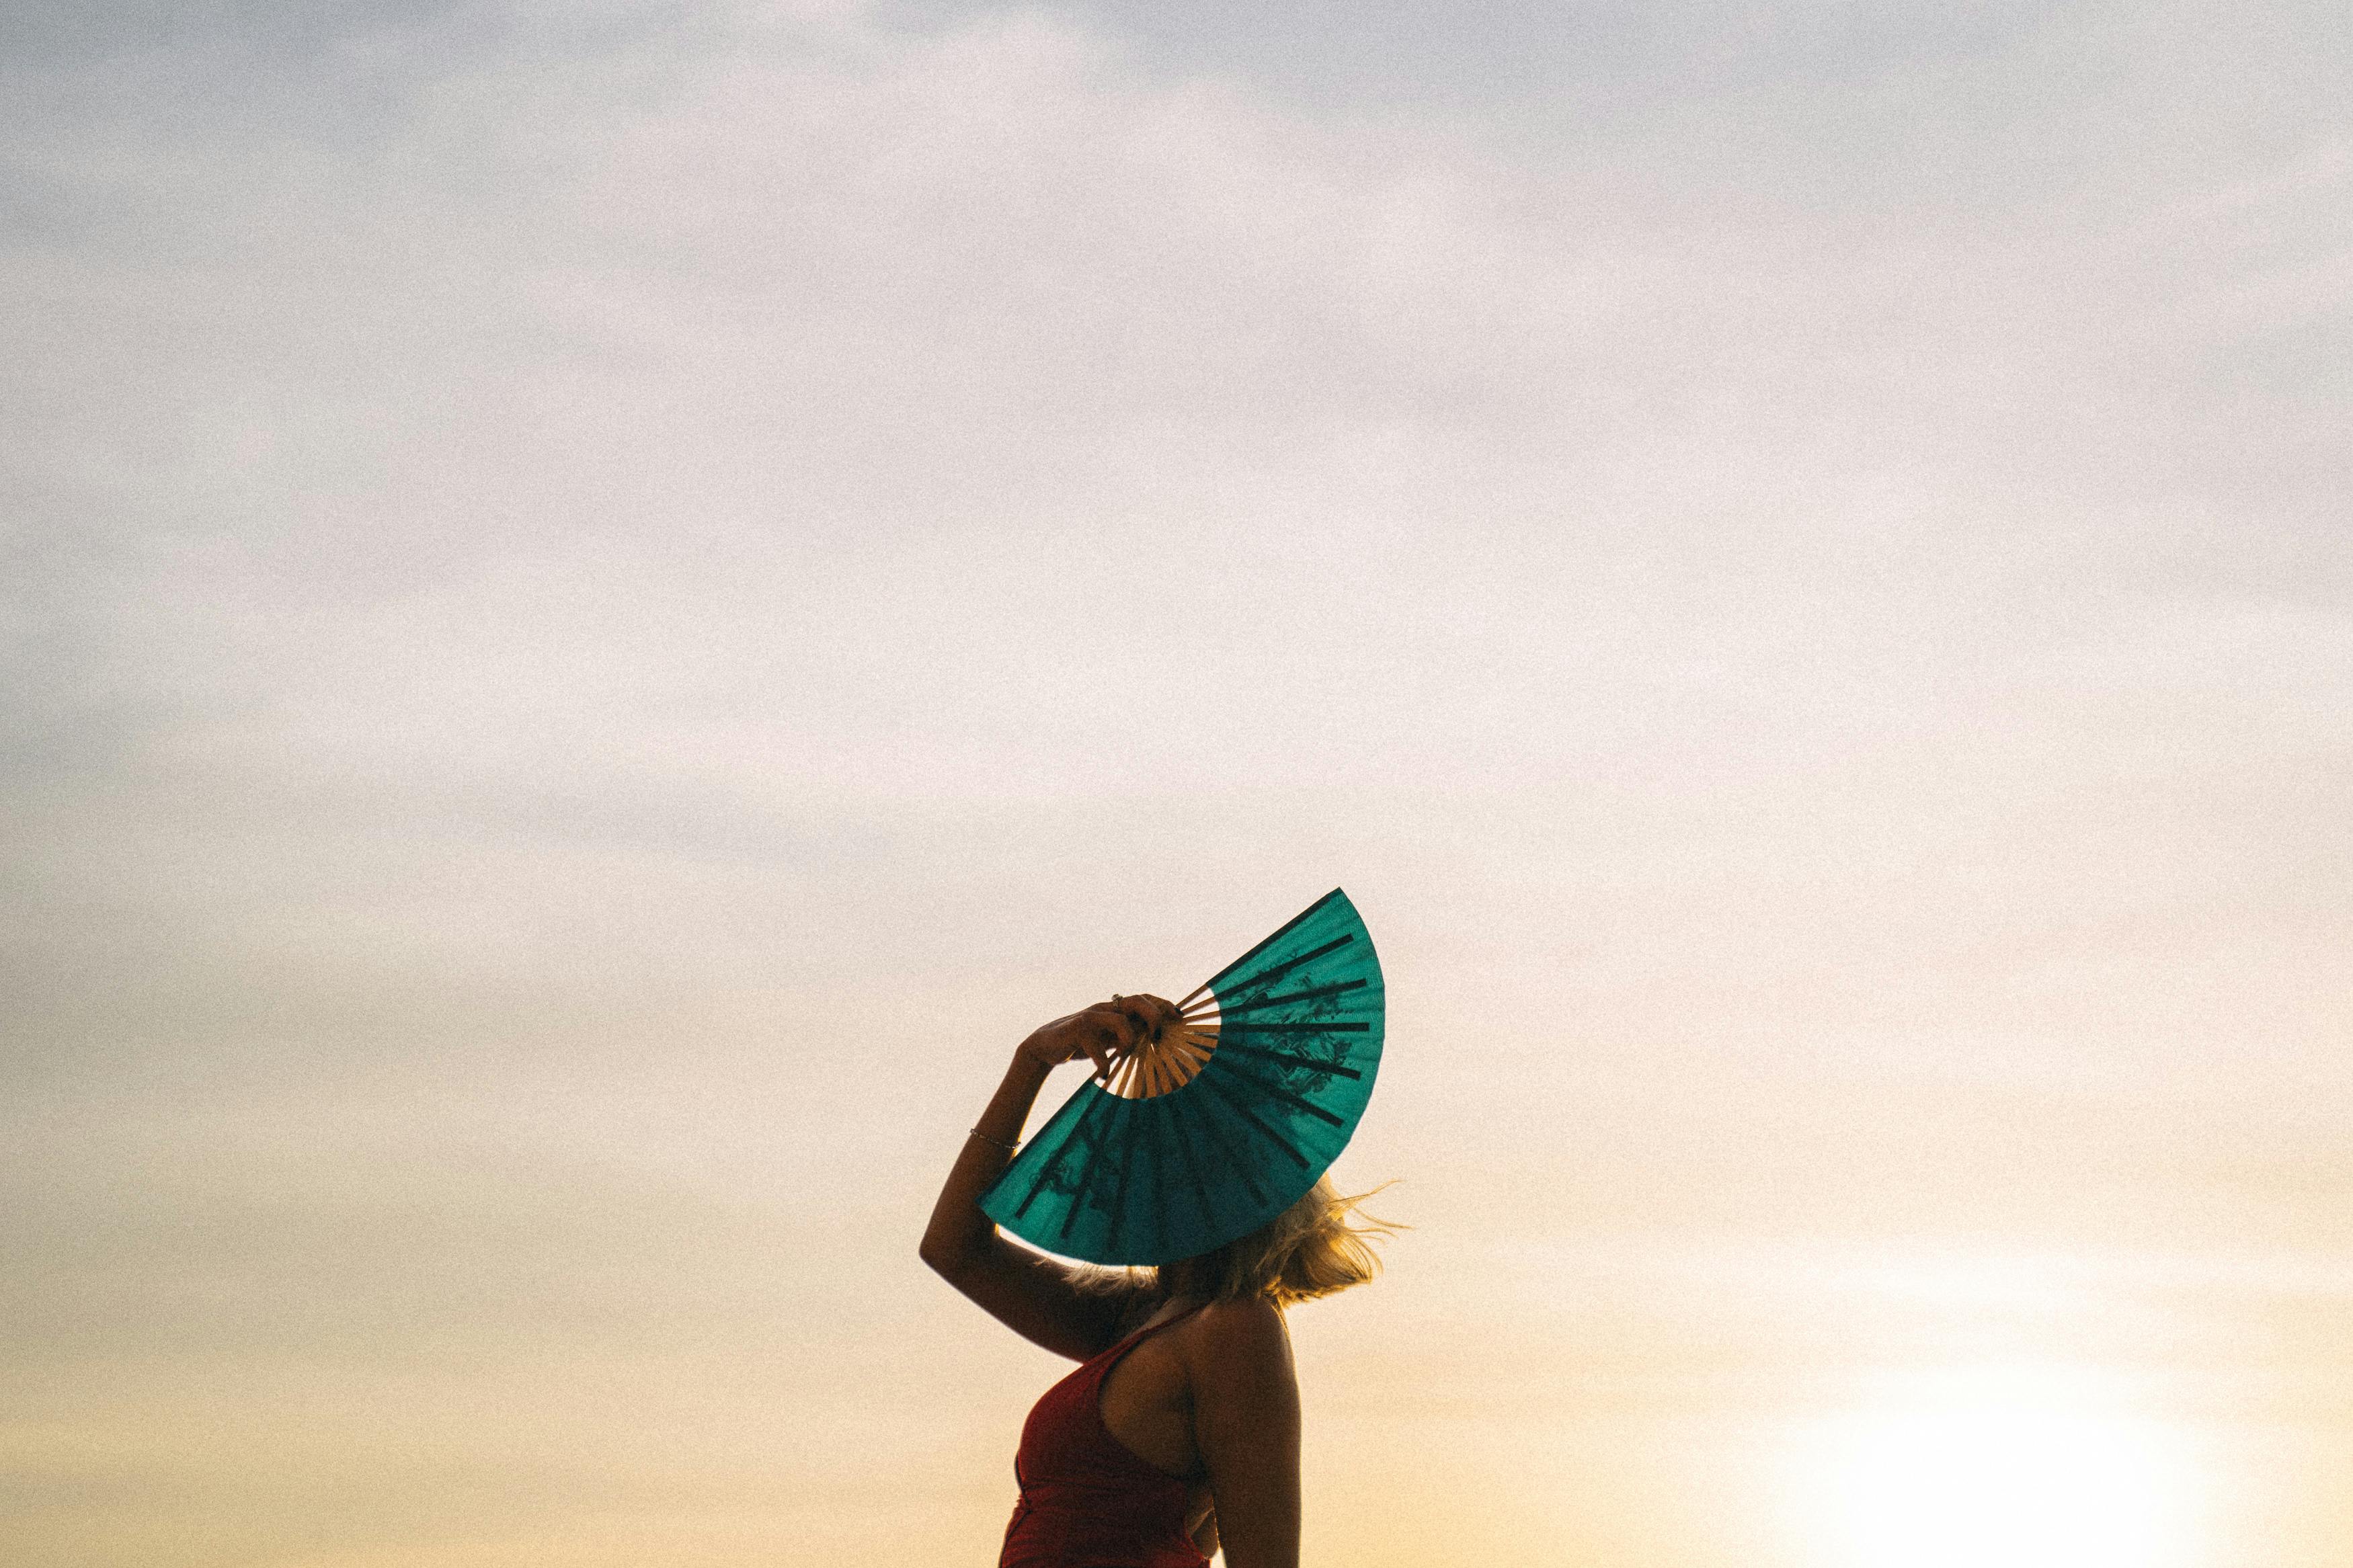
1178,1281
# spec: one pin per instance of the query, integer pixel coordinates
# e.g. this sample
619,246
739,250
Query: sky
603,605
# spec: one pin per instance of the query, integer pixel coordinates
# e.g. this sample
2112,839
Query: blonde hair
1318,1246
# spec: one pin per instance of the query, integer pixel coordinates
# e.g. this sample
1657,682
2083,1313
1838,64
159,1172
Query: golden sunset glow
2007,1467
603,605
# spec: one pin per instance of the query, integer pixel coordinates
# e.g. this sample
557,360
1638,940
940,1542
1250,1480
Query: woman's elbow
945,1258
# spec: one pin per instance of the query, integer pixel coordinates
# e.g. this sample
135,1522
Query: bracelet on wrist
1000,1142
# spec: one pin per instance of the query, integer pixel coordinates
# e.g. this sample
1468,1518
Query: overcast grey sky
603,604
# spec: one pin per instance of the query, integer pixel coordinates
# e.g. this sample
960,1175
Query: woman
1179,1431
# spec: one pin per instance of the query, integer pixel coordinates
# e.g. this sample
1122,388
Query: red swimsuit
1087,1500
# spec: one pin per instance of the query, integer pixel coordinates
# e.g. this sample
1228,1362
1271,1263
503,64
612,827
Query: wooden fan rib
1281,1093
1233,1158
1192,1165
1164,1178
1177,1066
1086,1182
1053,1161
1313,993
1119,1192
1294,1060
1239,1107
1266,975
1284,930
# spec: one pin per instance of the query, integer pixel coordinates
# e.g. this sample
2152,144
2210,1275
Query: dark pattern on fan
1215,1127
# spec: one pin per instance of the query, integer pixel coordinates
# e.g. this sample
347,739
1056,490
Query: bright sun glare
2008,1471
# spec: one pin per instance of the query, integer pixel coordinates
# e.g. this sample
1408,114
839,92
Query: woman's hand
1102,1033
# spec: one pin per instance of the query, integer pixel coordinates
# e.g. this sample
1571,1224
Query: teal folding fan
1225,1119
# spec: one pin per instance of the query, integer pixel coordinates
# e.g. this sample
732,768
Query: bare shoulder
1237,1340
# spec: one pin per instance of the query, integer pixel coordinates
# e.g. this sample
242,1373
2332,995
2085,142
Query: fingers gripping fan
1223,1122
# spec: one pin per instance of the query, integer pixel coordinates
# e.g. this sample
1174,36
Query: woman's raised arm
1029,1293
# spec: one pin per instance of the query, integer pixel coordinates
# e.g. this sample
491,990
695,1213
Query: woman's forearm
958,1228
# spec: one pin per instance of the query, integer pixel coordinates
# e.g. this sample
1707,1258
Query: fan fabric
1297,1041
